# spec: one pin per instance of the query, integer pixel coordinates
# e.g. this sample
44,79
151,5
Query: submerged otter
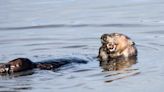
24,64
116,50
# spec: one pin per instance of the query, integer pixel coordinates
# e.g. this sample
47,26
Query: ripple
148,46
154,32
83,70
72,86
74,25
111,80
3,41
39,49
122,75
75,46
22,88
45,43
156,44
8,91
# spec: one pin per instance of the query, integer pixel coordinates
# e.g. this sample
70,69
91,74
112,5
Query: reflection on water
118,63
121,75
43,30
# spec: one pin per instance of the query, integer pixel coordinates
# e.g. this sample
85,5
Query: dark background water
40,30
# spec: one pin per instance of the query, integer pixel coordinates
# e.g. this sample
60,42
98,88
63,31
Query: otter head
4,68
16,65
115,43
20,64
108,43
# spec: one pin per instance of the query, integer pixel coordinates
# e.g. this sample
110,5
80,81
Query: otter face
16,65
109,42
20,64
4,68
117,44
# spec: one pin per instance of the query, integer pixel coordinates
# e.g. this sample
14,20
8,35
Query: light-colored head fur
116,44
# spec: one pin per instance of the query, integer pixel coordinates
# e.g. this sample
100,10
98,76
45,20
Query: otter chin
116,45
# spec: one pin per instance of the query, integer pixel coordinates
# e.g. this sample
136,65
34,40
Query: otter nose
110,45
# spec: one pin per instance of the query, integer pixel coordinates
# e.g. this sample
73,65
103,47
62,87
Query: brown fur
115,45
17,65
117,51
20,64
23,64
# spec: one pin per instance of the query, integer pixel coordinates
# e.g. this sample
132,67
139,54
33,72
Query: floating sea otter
117,51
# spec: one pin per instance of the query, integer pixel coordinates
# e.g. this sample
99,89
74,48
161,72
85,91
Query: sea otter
24,64
115,48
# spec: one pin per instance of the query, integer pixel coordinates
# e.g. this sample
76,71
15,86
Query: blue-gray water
44,29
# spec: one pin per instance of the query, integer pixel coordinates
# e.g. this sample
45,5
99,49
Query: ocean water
47,29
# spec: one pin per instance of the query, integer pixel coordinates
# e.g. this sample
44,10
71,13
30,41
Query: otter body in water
24,64
116,48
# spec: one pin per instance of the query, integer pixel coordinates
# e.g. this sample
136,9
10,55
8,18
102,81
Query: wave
73,25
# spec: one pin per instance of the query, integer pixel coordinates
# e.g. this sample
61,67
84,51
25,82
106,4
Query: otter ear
102,41
103,38
131,42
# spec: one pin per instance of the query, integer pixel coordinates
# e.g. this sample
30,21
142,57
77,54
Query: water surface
41,30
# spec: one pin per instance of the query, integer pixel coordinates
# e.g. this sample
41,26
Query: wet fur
24,64
17,65
124,46
116,52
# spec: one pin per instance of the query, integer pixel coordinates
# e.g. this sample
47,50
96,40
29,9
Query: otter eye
108,44
104,39
116,43
111,43
104,42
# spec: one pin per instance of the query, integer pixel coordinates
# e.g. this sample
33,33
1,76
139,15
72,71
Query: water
41,30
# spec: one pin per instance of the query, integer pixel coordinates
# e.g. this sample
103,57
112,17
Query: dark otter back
56,63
